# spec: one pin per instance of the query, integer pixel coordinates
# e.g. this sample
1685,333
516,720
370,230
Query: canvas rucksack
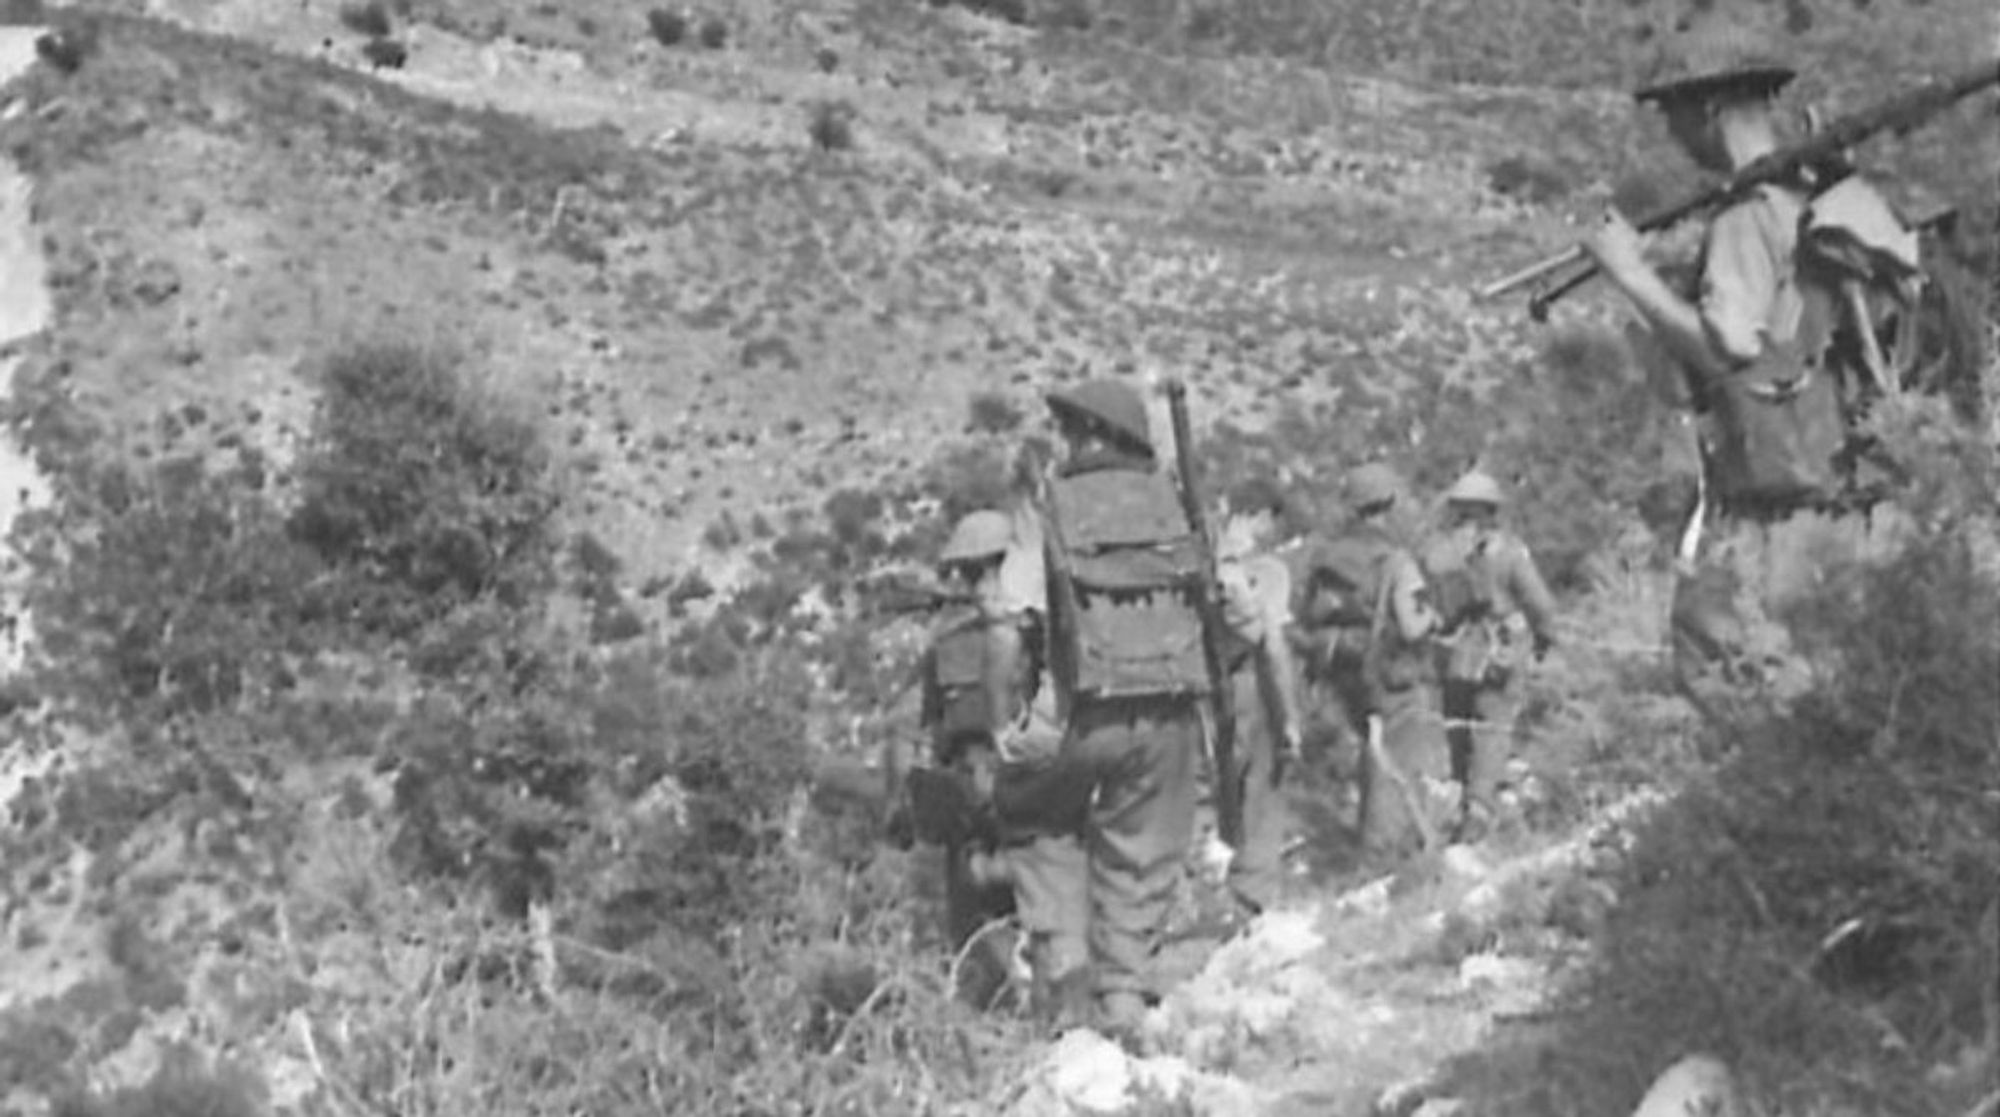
959,705
1124,573
1906,317
1780,430
1350,577
1884,311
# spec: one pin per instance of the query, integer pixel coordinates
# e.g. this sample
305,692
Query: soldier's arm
1278,684
1409,608
1530,592
1256,606
1739,282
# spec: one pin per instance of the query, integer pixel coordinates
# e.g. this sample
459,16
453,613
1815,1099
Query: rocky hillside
691,322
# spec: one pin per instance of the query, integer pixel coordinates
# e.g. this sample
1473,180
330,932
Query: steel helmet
1372,484
1476,487
1711,57
982,534
1112,404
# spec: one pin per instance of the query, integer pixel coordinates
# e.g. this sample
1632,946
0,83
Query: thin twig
1987,1106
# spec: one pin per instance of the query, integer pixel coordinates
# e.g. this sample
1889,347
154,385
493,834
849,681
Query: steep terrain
731,284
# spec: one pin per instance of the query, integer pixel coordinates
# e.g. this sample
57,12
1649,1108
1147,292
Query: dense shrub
669,28
832,126
182,1087
1813,902
171,589
422,495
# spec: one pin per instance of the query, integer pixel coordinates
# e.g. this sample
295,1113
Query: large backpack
1906,316
957,707
1124,574
1781,431
1348,587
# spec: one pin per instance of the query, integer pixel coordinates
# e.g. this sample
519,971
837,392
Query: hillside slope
747,295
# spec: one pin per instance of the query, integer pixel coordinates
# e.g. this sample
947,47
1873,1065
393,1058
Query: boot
1060,995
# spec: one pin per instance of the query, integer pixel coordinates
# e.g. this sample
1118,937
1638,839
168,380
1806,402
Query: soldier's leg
1407,746
1460,705
1256,869
1042,810
1494,710
1140,827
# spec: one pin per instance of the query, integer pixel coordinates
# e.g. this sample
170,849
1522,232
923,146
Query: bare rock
1697,1086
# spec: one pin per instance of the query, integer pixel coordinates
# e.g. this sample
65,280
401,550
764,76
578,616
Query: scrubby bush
994,413
714,33
421,495
669,28
832,126
183,1086
175,589
1812,903
370,18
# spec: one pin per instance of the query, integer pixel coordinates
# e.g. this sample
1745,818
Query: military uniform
1481,650
1742,562
1111,815
1366,619
1256,598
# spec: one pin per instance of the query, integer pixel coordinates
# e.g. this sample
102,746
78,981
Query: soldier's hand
1293,743
1618,248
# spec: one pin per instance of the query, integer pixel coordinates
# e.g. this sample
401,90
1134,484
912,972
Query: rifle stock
1820,158
1228,797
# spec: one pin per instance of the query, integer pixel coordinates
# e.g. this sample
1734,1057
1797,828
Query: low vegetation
381,778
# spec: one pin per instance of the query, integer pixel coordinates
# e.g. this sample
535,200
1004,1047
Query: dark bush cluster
832,126
667,27
1820,899
370,18
420,496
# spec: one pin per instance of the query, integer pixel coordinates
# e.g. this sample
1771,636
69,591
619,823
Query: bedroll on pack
1906,316
1125,572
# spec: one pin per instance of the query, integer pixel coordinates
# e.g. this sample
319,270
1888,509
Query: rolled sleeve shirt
1747,291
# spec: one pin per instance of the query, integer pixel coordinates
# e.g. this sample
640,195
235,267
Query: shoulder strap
1379,619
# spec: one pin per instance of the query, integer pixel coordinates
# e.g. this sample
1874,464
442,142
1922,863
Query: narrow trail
1350,1004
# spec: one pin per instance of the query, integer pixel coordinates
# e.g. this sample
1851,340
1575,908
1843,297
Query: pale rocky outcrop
24,312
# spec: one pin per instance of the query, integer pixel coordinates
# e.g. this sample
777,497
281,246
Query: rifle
1228,797
1822,158
896,600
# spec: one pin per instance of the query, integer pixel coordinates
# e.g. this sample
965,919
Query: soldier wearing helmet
1758,341
1255,555
1363,619
1716,86
1105,827
1492,601
978,676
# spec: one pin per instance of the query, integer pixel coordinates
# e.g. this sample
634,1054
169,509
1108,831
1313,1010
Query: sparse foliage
832,126
667,27
370,18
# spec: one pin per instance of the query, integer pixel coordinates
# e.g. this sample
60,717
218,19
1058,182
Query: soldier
1127,666
1753,340
975,673
1488,592
1258,538
1366,619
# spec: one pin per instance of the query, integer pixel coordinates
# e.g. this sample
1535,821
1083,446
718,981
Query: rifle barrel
1822,153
